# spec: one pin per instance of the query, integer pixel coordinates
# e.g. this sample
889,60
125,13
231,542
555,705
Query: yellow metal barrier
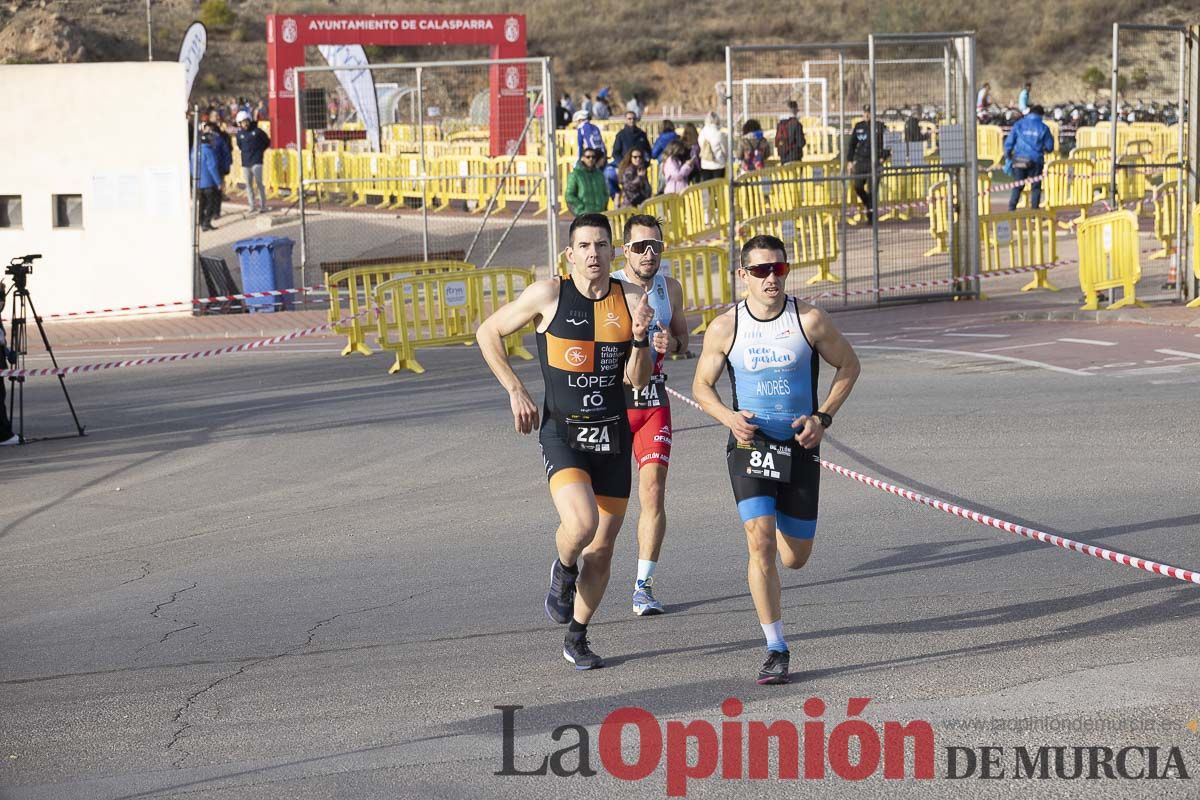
1067,186
351,293
669,209
441,309
938,200
751,193
705,210
703,272
1132,180
471,179
1027,238
1166,218
812,233
1195,252
616,218
1108,258
989,143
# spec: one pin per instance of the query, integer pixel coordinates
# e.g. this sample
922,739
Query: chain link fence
441,185
853,209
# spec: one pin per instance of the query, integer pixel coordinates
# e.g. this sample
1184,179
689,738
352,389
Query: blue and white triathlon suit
773,369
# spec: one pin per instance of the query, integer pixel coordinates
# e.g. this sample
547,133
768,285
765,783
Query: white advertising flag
191,52
359,84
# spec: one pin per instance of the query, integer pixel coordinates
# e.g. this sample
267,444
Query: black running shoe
560,600
775,668
578,652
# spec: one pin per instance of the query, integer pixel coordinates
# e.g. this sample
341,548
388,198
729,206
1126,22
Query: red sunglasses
779,268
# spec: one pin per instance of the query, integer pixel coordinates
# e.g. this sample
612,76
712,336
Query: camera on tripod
20,267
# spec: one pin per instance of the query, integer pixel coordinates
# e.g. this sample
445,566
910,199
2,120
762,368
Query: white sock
646,569
774,633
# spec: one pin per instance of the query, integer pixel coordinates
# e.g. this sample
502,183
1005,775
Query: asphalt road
287,574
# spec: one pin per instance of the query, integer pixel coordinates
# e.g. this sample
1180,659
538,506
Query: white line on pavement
1099,342
917,341
980,335
1015,347
856,333
1181,353
1010,359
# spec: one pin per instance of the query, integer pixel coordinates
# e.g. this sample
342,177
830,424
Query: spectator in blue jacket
587,136
253,142
1025,147
223,147
208,181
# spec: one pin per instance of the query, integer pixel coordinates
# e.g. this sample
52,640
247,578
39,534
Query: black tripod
19,268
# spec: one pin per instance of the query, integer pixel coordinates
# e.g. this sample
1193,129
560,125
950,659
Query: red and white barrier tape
905,286
141,362
176,303
1186,575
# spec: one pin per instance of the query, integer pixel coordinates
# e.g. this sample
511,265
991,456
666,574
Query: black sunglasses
779,268
642,245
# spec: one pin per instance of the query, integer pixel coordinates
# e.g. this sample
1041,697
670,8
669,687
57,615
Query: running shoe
11,441
577,650
775,668
560,600
644,604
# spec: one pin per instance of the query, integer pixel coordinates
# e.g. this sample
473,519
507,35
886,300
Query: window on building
68,211
10,210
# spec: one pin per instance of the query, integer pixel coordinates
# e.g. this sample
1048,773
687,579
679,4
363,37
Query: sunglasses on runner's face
642,245
779,268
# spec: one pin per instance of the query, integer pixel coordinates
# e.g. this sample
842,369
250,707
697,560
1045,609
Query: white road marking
1169,369
903,339
1015,347
922,328
1180,353
1010,359
981,335
856,333
1090,341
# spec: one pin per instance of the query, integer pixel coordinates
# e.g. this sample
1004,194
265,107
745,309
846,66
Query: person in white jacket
713,152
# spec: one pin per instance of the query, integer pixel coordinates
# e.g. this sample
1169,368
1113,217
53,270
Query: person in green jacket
587,189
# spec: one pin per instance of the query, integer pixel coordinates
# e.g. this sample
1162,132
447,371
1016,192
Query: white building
94,176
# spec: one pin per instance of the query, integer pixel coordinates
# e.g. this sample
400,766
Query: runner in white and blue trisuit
770,344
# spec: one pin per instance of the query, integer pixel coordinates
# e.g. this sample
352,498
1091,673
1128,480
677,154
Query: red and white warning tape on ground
1186,575
904,286
177,303
141,362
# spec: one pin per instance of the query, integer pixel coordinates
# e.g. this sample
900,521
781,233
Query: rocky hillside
674,57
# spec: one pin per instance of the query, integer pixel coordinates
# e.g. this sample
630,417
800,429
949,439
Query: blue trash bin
281,261
266,265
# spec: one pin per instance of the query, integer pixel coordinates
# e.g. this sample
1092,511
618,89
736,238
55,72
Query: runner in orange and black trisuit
650,408
591,334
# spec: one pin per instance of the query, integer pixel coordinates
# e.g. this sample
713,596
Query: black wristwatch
643,342
825,419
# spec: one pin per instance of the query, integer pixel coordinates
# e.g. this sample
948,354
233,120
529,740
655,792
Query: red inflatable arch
503,34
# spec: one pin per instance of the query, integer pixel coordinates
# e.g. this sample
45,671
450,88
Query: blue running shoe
578,652
560,600
644,604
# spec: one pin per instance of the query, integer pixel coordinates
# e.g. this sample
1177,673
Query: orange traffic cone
1172,273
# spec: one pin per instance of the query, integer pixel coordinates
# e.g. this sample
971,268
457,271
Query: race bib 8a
765,459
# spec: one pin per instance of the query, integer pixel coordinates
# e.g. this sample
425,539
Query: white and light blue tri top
773,369
660,301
